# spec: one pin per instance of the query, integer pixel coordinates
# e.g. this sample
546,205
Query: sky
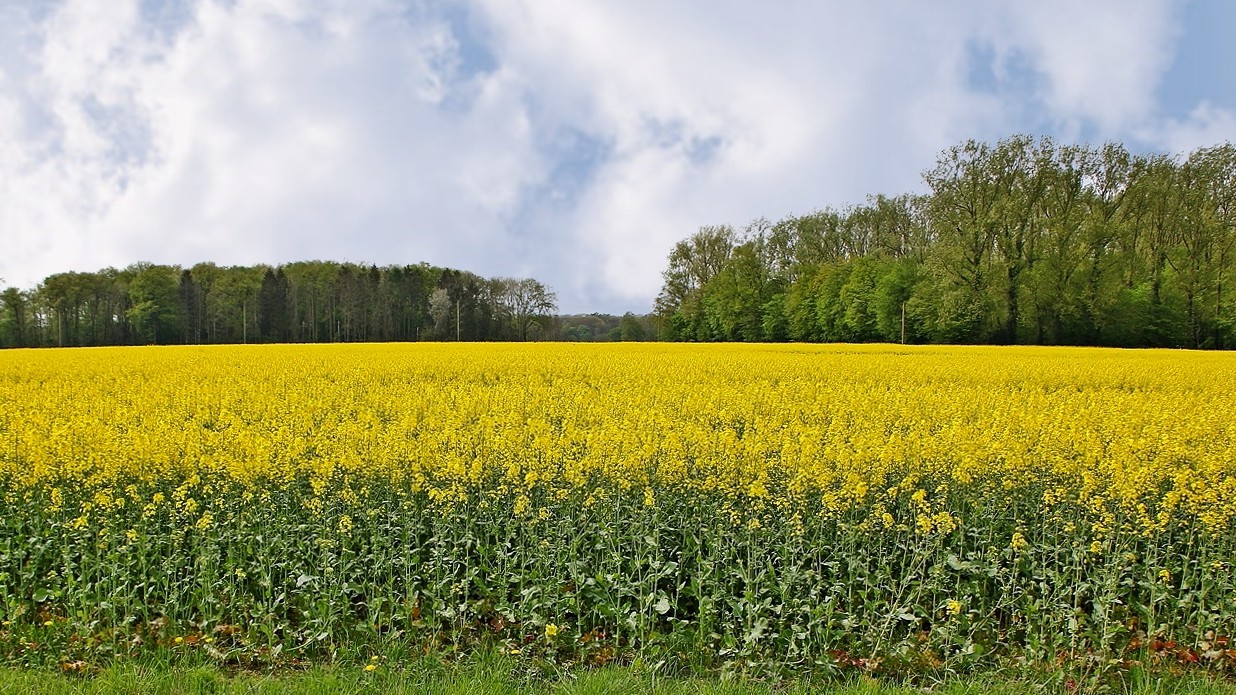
572,141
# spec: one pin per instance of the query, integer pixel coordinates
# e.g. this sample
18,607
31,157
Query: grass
493,674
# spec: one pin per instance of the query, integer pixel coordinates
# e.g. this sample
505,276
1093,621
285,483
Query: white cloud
1206,125
808,105
598,135
267,131
1100,62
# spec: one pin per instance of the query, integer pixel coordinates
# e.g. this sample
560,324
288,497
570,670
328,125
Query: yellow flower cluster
1138,438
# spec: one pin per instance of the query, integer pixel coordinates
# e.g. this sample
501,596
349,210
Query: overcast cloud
573,141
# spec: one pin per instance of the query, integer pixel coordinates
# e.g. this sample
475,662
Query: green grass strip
494,676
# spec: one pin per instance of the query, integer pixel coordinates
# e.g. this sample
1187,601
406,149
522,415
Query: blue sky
569,140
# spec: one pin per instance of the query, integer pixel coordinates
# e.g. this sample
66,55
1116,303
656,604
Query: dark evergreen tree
273,317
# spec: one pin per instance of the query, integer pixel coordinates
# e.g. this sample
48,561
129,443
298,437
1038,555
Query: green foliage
829,308
774,320
734,298
893,291
494,673
15,329
1019,241
154,311
372,567
308,301
858,300
631,329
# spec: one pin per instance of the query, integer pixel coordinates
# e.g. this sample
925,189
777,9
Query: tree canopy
312,301
1020,241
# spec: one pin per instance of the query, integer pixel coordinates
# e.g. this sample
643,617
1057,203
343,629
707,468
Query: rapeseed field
882,508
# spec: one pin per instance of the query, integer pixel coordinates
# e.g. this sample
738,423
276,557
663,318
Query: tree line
313,301
1021,241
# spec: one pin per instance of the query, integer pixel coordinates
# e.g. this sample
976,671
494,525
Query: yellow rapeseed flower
1111,437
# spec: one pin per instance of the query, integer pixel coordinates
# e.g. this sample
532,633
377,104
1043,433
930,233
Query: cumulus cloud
262,131
1206,125
1099,63
731,113
571,141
